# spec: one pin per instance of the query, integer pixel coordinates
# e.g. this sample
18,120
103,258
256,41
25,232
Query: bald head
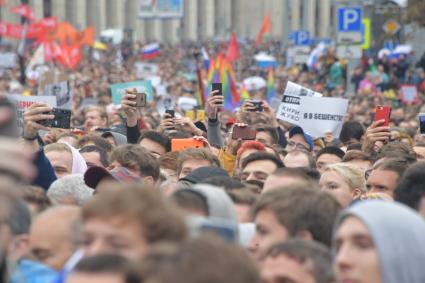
53,235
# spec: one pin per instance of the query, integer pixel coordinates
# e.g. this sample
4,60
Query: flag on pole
244,93
266,27
24,10
270,85
233,49
150,51
206,58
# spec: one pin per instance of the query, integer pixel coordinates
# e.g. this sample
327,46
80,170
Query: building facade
203,19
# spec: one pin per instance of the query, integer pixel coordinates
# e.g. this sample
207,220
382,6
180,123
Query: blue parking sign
302,37
349,19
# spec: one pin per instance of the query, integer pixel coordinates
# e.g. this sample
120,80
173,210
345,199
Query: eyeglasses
293,145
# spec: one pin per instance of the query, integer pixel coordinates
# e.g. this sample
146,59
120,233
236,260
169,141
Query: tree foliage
416,12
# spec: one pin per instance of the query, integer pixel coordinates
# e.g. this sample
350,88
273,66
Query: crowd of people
138,194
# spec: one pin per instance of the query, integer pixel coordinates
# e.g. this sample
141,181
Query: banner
289,108
118,90
57,85
328,118
161,9
409,93
24,102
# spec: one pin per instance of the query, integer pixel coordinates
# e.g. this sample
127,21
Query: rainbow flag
227,78
244,93
270,85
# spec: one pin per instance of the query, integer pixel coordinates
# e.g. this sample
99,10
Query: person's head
194,158
259,165
95,139
246,149
94,156
297,261
299,158
137,160
35,198
288,176
70,189
297,211
54,235
95,116
343,181
328,155
15,220
156,143
411,188
419,148
385,175
351,132
69,138
127,220
243,200
267,136
379,242
359,158
105,268
60,156
168,165
397,149
203,260
298,139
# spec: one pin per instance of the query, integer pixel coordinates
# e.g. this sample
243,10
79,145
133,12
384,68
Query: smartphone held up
383,113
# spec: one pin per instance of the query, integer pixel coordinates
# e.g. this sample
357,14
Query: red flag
266,27
232,52
24,10
49,23
2,2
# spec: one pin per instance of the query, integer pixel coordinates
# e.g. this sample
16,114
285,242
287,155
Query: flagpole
21,48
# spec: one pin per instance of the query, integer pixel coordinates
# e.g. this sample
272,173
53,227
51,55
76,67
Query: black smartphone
422,123
171,113
217,86
62,119
258,106
140,99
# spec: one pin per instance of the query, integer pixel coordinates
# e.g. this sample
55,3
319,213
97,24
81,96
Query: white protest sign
409,93
53,83
7,60
145,70
24,102
289,108
321,115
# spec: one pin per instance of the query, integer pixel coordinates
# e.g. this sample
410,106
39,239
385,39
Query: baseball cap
297,130
95,174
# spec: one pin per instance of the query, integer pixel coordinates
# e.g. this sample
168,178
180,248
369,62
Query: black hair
163,140
102,153
226,182
351,130
261,155
331,150
411,188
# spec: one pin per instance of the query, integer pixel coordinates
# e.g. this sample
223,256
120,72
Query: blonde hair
352,175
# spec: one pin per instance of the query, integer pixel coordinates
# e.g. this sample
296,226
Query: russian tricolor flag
150,51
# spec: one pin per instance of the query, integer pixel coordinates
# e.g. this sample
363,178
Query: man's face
116,235
61,162
264,138
92,159
258,170
382,181
93,119
51,247
297,142
154,148
332,183
106,277
192,164
325,160
268,232
356,257
296,160
285,269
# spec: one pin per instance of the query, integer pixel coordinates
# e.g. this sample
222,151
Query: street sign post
349,25
300,37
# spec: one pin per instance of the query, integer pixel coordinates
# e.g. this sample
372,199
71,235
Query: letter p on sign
349,19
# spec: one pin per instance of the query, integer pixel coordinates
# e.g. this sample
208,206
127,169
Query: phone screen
217,86
422,123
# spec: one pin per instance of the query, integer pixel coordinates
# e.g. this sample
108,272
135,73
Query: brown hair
37,196
208,259
136,157
159,219
298,208
95,139
243,196
102,112
169,160
357,155
198,154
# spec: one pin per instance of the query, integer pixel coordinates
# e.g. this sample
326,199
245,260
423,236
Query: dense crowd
140,194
